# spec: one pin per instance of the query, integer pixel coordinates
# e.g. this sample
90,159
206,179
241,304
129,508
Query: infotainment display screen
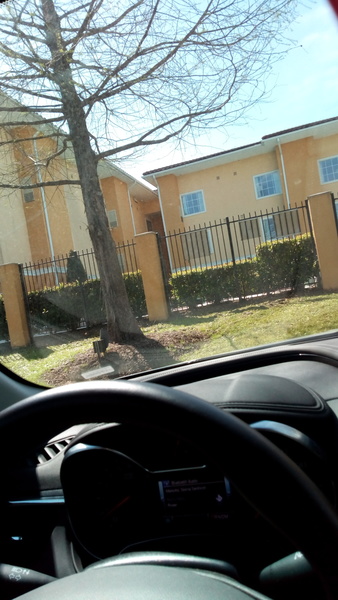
198,496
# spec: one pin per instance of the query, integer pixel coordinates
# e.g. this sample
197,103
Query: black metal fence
232,240
221,243
51,272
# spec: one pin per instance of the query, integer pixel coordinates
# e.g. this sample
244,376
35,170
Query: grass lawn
205,332
33,363
255,323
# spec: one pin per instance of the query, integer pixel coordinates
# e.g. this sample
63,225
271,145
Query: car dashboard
100,490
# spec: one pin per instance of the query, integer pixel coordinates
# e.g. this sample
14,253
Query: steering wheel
264,475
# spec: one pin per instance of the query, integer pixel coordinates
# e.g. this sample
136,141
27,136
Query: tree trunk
121,322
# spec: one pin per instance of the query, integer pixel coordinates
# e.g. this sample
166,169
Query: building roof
266,144
13,111
299,128
194,160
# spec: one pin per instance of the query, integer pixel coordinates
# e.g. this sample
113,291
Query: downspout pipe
163,220
284,173
131,207
44,207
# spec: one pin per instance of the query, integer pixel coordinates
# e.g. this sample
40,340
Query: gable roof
299,128
139,188
12,110
268,142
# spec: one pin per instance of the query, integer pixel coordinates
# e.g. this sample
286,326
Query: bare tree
113,78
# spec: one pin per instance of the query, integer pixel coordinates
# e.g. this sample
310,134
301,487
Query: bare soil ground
151,352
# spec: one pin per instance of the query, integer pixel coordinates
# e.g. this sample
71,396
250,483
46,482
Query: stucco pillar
14,301
324,227
149,261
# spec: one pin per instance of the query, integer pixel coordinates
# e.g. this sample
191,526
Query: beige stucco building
42,222
278,172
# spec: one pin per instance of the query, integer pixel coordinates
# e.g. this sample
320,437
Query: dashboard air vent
52,450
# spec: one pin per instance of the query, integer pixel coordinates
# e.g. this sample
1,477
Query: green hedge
67,305
215,284
285,264
135,291
279,265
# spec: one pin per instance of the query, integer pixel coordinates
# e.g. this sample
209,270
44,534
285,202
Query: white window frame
270,220
198,212
321,173
277,183
113,222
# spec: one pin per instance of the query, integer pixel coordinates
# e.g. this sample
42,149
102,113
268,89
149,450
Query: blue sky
304,89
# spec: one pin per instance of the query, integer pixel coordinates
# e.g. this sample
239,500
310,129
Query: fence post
227,221
148,259
15,306
324,226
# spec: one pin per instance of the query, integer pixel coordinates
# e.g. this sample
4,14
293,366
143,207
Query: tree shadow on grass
122,359
28,353
139,355
240,309
312,299
187,319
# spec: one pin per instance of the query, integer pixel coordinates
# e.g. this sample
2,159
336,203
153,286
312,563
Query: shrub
188,288
282,264
287,264
246,280
75,268
67,305
215,284
135,291
57,308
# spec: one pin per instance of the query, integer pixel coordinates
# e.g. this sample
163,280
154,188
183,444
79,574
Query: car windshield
168,181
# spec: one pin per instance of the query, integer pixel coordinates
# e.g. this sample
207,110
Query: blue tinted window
192,203
328,169
267,184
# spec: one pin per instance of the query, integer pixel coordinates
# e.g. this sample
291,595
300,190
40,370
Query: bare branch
93,7
109,27
29,60
124,76
29,109
54,155
43,184
143,141
29,139
112,91
148,27
68,13
33,123
7,85
14,32
31,24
